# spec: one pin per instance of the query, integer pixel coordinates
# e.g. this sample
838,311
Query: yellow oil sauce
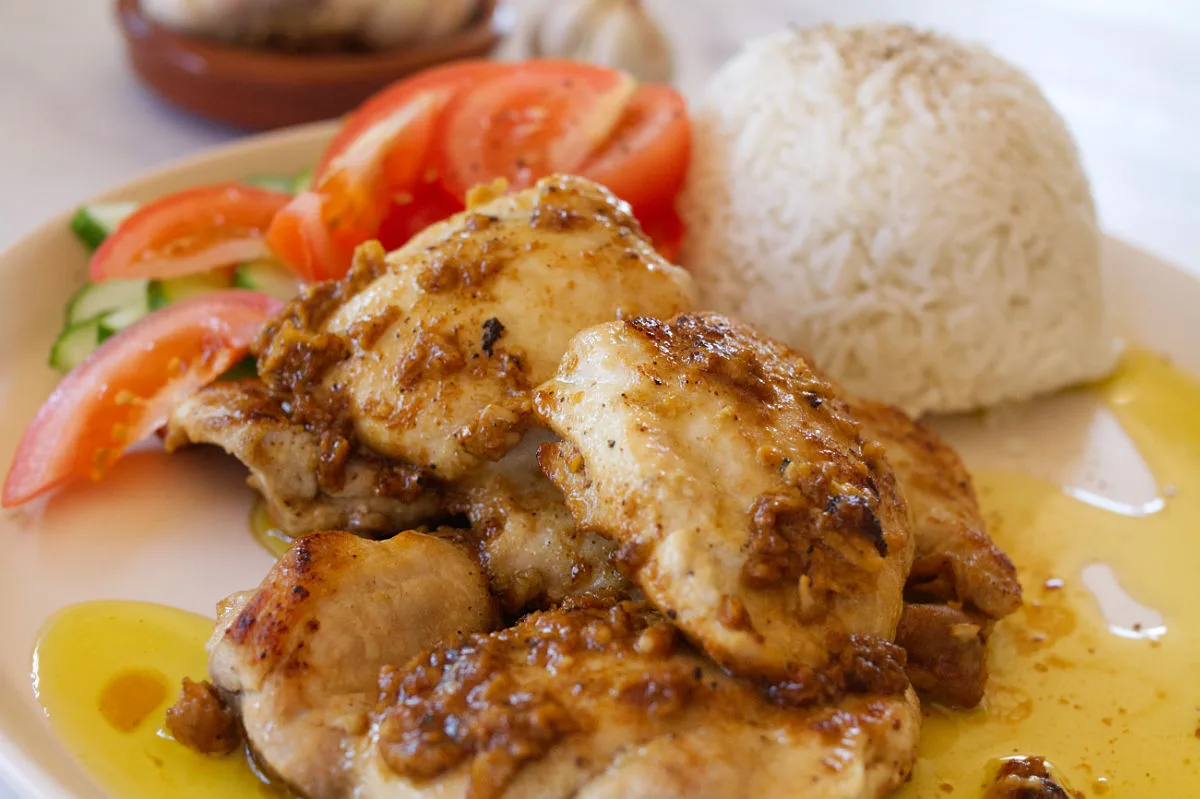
1114,705
266,532
105,673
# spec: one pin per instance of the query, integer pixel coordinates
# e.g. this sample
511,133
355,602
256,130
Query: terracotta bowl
262,89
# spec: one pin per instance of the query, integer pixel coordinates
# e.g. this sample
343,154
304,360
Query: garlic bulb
614,33
378,24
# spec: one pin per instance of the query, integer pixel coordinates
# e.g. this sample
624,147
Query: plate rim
309,133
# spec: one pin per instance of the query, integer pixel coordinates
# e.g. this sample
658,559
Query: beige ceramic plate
176,532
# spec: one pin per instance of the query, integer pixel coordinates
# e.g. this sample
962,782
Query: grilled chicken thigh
605,701
299,657
529,544
429,356
961,582
946,652
955,558
744,501
290,468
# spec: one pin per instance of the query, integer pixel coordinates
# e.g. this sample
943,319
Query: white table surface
1125,73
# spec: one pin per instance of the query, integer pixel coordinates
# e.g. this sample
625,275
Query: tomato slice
126,388
383,104
300,238
666,231
189,232
388,156
358,181
523,124
409,215
645,160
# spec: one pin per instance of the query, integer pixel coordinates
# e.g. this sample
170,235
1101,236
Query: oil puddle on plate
105,674
1095,495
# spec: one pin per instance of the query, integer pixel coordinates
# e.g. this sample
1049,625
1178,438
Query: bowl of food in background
259,65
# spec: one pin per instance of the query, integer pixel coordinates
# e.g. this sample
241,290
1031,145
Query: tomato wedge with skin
428,205
449,78
645,160
665,230
316,234
387,157
126,388
300,239
189,232
538,118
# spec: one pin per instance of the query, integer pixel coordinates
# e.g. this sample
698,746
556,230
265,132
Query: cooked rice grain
908,210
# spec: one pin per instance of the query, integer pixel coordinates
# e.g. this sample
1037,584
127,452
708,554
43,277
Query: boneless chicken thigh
529,544
961,582
737,486
289,466
299,657
429,355
607,701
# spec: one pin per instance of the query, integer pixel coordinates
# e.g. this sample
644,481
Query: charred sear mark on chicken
492,331
856,512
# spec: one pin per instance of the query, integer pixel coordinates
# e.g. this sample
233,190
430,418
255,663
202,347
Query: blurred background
74,119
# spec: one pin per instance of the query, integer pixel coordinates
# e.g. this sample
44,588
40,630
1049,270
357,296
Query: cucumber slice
267,277
92,224
164,292
302,182
100,299
74,344
283,183
121,319
288,184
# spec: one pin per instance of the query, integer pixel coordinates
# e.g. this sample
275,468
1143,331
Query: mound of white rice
907,210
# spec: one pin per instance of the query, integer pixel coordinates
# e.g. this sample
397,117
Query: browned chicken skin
955,559
299,656
529,544
946,653
429,356
288,468
606,701
735,481
961,582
